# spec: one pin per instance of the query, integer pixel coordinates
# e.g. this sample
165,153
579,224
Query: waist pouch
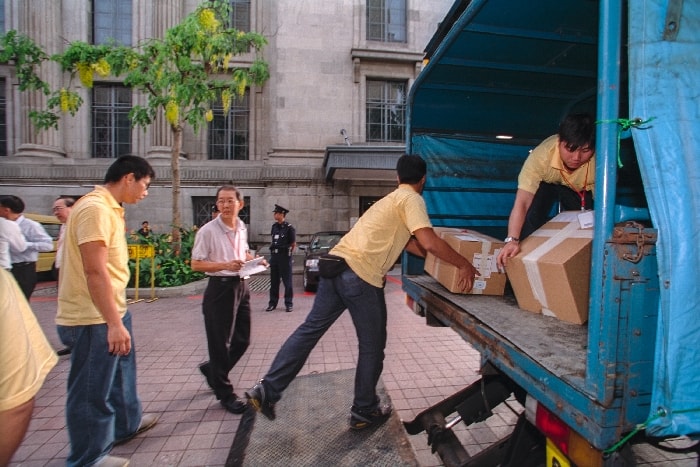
330,266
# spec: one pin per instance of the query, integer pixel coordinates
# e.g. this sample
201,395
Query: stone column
41,21
164,15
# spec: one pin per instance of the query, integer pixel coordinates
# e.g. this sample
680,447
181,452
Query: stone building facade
320,138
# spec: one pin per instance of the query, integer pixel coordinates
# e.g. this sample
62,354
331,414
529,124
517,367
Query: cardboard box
551,273
481,250
431,260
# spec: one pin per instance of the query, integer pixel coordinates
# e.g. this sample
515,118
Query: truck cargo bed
492,322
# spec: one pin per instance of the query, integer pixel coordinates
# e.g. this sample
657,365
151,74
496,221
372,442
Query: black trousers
541,209
25,275
226,308
281,269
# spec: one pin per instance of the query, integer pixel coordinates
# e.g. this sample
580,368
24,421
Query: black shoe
257,398
270,308
63,351
290,309
360,419
233,404
205,369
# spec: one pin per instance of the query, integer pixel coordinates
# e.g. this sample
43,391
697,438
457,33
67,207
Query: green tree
180,75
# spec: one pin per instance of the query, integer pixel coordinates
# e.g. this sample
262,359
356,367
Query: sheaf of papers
251,267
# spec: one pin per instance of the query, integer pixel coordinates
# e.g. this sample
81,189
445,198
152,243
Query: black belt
279,250
226,278
23,263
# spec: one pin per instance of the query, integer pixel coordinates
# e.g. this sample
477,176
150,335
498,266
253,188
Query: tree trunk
175,167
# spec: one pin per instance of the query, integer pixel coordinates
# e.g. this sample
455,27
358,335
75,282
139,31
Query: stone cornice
191,172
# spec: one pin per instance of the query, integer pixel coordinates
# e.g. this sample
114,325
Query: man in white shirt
10,238
24,262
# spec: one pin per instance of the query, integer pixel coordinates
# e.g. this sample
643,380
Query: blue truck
499,75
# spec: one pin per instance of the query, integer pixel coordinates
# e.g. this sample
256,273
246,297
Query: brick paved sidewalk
423,365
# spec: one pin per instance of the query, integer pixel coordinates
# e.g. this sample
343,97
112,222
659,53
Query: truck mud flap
472,404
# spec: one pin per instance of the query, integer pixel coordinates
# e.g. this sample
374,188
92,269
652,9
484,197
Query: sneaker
148,421
360,419
111,461
234,404
257,398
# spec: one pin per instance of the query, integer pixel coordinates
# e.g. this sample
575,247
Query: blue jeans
102,404
367,308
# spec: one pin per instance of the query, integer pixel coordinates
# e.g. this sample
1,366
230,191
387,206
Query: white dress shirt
10,238
37,240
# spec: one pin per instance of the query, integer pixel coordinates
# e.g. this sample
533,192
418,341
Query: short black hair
577,131
239,197
14,203
411,168
126,165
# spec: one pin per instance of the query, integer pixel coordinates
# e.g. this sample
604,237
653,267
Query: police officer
281,249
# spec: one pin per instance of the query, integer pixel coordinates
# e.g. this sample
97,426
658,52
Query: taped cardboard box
430,260
551,273
481,250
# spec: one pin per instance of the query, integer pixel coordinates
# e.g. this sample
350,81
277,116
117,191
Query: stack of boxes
550,275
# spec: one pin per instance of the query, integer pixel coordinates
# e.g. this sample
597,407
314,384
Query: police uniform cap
279,208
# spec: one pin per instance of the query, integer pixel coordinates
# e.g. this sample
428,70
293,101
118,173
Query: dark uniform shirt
283,237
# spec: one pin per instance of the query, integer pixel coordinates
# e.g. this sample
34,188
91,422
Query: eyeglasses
58,208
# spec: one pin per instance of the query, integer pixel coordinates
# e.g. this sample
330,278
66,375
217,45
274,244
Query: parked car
45,265
321,243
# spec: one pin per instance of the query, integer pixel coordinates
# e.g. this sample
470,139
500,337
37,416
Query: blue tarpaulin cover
665,85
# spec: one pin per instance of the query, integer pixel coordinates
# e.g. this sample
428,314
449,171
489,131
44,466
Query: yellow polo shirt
26,357
544,165
95,217
375,242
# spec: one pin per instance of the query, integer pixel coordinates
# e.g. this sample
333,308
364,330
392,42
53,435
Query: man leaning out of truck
560,169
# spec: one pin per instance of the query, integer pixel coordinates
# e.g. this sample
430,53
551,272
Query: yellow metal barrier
138,252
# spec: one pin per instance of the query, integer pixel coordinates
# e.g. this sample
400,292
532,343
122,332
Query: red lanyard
582,193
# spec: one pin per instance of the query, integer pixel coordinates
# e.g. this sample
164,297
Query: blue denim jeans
367,308
102,404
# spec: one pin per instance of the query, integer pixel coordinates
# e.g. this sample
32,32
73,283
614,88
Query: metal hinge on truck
640,239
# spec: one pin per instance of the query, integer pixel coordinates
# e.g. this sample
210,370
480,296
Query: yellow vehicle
52,225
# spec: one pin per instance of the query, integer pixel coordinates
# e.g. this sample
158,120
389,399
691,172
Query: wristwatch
511,239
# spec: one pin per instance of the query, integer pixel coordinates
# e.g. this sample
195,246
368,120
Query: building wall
319,62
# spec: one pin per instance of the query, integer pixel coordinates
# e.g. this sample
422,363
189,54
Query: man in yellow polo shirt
352,278
560,169
26,357
102,406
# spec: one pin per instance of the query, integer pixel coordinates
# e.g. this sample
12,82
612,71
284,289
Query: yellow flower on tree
226,100
65,100
241,86
172,113
227,60
207,19
209,115
84,74
68,101
102,68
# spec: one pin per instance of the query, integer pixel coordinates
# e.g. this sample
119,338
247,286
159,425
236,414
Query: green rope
659,413
625,124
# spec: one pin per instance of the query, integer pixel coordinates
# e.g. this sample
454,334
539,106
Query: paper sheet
253,266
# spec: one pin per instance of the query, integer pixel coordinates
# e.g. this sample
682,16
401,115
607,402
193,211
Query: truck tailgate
491,322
